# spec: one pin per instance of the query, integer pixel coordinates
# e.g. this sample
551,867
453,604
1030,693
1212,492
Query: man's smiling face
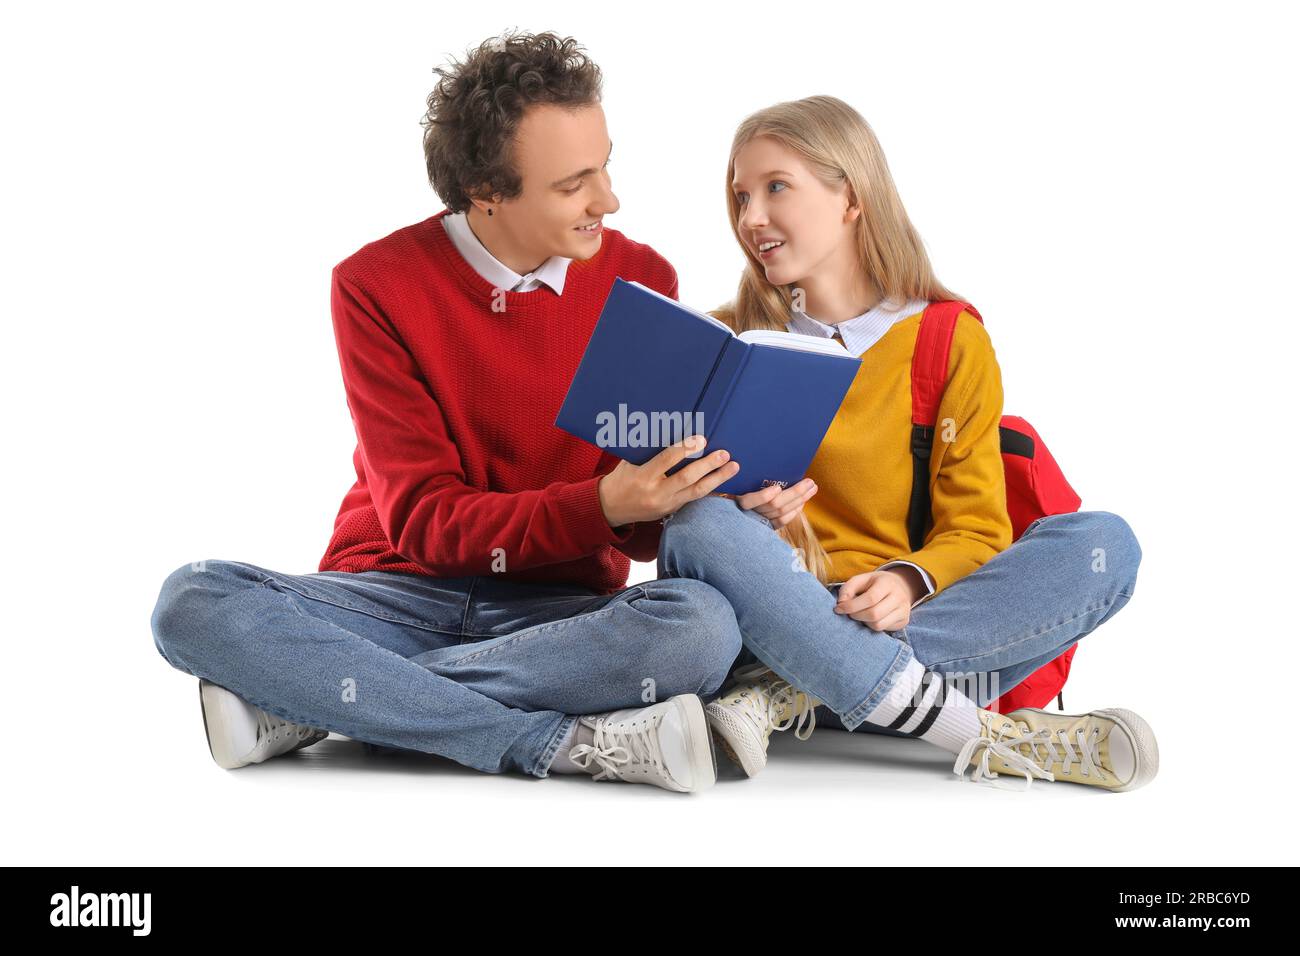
561,155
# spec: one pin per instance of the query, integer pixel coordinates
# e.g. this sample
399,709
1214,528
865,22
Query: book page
794,340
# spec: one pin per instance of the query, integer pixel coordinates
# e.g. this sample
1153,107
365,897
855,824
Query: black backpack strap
918,509
919,518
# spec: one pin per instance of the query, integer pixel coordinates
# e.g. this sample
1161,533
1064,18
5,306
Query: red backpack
1035,484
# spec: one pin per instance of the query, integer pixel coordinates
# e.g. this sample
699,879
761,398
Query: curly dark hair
475,108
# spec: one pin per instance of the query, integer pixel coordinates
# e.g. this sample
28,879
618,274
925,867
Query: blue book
656,371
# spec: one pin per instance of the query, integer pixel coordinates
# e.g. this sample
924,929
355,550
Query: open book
656,371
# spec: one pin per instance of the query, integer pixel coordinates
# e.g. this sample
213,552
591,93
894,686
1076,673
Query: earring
489,210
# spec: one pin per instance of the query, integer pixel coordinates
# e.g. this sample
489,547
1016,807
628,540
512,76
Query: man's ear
482,199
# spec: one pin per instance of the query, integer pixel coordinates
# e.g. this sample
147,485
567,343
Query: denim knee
1115,549
700,638
712,509
708,526
187,594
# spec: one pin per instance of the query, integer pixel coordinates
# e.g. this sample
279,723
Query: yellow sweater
863,468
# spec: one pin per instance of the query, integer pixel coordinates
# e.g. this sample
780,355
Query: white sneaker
666,744
760,702
240,734
1112,749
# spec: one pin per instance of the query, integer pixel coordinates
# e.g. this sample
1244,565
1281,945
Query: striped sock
922,704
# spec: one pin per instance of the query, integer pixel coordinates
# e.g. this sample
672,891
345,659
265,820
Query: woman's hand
779,505
882,600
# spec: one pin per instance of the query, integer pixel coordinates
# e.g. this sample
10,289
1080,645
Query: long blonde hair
839,147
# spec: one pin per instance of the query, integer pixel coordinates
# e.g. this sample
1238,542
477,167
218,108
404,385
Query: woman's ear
854,208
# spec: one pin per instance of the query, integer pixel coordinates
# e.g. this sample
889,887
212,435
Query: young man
472,600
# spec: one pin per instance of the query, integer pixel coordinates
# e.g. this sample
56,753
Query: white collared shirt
859,334
551,272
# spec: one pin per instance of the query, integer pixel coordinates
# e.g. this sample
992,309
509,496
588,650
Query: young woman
855,619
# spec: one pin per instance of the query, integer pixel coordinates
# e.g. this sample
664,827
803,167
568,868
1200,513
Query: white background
1113,186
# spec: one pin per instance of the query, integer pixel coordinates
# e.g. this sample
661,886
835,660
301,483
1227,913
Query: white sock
579,733
939,713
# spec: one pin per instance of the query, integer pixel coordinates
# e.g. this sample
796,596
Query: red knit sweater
460,468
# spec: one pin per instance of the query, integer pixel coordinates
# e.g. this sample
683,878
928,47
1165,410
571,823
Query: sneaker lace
272,727
613,750
778,694
997,743
1085,750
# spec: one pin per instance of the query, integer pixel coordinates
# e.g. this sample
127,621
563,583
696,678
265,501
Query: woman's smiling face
781,201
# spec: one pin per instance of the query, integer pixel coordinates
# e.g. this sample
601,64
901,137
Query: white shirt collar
860,332
551,272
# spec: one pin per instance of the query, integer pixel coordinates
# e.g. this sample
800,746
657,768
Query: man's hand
882,600
644,493
779,505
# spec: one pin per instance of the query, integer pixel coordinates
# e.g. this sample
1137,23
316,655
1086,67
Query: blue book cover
656,371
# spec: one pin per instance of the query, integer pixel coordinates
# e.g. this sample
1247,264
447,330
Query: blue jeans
485,671
994,627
